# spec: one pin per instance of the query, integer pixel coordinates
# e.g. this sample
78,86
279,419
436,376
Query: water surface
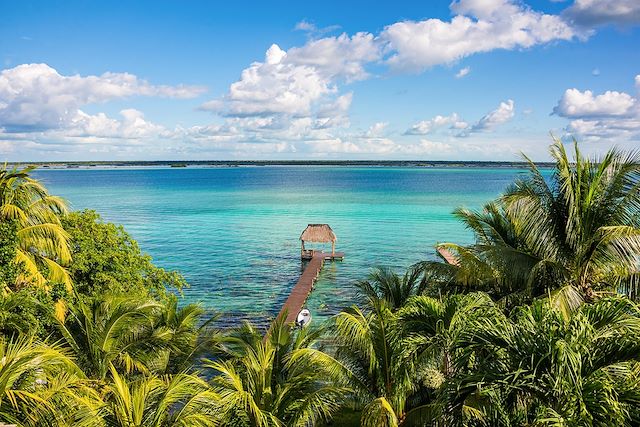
233,231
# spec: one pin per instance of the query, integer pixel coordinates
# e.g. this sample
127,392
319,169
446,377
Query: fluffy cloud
37,97
463,72
577,104
425,127
479,26
293,100
305,81
132,126
298,80
338,57
612,115
502,114
275,86
600,12
296,93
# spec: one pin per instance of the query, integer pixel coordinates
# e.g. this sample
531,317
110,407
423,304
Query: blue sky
468,80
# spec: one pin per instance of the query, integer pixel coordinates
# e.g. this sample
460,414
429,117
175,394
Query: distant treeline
232,163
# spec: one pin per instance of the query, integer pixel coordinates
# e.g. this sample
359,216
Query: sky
423,80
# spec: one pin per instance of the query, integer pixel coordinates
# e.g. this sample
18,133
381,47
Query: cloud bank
297,100
611,115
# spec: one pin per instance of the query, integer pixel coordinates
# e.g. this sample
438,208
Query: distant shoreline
239,163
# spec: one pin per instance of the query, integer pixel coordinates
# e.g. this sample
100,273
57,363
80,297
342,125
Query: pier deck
302,289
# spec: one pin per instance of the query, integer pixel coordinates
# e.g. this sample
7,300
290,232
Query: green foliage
136,335
106,331
432,347
107,260
40,385
9,268
25,312
538,368
41,243
182,400
580,229
386,285
274,381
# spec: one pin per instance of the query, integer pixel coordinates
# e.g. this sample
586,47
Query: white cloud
424,127
376,129
298,89
577,104
274,86
37,97
305,81
132,126
428,147
614,116
461,128
312,29
337,108
305,25
591,13
338,57
292,82
479,26
501,115
463,72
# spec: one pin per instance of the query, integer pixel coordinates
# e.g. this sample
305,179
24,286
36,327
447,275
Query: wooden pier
304,286
314,233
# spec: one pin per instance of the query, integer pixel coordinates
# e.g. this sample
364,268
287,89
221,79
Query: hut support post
302,250
333,248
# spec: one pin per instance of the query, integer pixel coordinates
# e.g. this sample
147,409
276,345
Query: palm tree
431,332
431,328
181,400
40,385
114,330
499,263
15,316
369,358
397,361
42,244
540,368
385,284
371,362
578,230
274,381
187,336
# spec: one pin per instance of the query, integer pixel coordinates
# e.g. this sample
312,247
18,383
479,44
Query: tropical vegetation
537,323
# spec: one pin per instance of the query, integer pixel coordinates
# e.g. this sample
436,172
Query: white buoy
304,318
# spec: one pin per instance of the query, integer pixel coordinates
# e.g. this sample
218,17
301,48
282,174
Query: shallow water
233,232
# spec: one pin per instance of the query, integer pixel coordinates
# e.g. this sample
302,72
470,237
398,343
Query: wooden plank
300,292
302,289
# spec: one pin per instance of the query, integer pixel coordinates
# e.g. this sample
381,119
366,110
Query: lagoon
233,231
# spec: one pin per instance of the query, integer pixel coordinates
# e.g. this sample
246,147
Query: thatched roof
318,233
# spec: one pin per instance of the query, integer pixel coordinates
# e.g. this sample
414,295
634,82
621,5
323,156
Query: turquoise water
233,232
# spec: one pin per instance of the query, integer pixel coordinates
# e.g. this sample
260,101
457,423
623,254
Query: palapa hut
317,233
